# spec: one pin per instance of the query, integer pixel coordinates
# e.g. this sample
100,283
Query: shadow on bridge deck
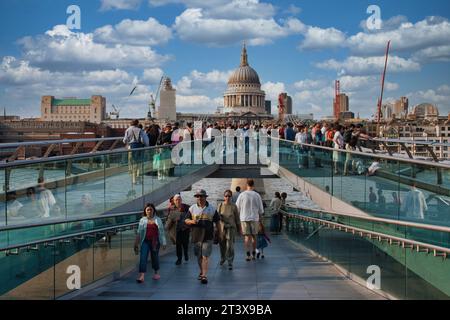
286,273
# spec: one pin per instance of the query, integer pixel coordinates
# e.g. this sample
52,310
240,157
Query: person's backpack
139,139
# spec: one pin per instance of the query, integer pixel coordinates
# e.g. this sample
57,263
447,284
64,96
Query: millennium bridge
331,253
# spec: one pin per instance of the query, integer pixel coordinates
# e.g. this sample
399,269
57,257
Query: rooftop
71,102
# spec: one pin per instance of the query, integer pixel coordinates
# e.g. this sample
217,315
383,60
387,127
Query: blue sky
299,47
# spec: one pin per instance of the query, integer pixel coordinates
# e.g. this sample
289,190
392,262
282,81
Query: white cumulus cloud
120,4
61,49
134,32
203,82
193,26
318,38
409,37
369,65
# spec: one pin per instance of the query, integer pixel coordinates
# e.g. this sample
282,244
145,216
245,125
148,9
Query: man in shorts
202,217
251,207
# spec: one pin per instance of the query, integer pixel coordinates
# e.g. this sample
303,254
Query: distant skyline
298,47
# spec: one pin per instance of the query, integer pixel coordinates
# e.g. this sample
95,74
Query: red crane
337,99
383,77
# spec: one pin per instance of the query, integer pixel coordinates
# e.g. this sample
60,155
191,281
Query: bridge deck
287,273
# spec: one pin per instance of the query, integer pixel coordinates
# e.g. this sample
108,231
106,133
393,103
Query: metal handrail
107,152
411,142
72,235
78,156
75,235
378,156
375,219
49,142
61,221
378,235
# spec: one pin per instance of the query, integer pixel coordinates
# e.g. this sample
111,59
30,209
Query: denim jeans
146,249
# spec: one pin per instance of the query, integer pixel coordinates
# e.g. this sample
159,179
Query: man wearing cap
201,217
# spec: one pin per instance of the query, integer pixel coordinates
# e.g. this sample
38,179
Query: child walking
262,241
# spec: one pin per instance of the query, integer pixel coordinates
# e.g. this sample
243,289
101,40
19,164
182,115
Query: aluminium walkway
287,273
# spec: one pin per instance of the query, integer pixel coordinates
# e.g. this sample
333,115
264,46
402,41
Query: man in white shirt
415,204
251,207
46,199
209,133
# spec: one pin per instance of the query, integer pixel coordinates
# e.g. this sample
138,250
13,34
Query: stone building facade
244,92
90,110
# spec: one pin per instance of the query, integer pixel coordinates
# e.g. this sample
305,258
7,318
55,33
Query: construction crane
383,78
116,112
337,99
152,104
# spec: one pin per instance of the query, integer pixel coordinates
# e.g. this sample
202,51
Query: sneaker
204,280
156,277
178,262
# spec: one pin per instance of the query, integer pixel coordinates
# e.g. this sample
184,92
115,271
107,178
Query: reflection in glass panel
106,254
128,257
85,186
119,187
35,192
27,275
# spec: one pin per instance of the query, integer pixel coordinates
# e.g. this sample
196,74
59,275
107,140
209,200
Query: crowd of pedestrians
203,225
